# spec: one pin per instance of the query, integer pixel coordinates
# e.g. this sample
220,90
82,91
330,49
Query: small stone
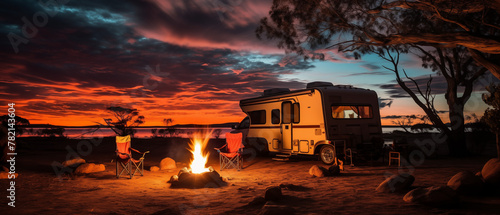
491,172
434,196
173,178
154,169
273,193
466,182
89,168
168,163
317,171
72,162
396,183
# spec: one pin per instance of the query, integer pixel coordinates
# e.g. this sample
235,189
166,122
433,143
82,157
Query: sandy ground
40,191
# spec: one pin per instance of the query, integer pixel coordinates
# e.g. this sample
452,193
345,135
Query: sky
63,62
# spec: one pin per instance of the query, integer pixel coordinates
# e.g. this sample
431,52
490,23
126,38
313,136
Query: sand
40,191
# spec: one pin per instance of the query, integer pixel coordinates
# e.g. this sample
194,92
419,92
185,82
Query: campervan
330,121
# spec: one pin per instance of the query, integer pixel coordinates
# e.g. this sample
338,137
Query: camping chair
232,155
124,160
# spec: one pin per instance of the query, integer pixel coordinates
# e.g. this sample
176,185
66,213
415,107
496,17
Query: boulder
317,171
154,169
273,193
89,168
466,182
434,196
491,172
76,161
396,183
167,164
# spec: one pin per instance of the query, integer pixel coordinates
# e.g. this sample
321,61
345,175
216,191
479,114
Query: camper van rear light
329,142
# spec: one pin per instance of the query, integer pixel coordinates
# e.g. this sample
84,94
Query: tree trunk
456,141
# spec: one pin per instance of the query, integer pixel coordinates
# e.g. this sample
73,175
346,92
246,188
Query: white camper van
332,121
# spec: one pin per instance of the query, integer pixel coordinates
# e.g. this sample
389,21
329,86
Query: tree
126,119
458,69
405,122
474,25
4,129
456,38
492,115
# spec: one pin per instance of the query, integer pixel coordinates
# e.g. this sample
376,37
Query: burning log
188,179
198,176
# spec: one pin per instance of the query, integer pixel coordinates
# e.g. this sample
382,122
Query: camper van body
317,120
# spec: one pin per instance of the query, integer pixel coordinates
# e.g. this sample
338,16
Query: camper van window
275,116
351,111
257,117
296,113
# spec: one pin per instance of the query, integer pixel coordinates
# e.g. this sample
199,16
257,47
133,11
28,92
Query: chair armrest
121,153
218,149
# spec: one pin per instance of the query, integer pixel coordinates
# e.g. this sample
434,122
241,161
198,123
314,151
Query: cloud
212,24
83,60
371,67
384,102
367,73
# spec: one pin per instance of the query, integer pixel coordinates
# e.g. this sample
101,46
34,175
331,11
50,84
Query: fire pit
198,176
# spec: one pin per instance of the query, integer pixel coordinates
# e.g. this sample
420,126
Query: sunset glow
191,62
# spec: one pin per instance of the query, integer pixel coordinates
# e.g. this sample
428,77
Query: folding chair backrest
233,141
123,146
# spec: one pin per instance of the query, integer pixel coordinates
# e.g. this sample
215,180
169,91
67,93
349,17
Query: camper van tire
327,154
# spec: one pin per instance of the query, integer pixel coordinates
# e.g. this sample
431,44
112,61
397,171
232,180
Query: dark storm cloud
438,86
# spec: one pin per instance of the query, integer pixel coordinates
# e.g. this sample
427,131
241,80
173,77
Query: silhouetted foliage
19,121
492,114
51,132
126,119
308,27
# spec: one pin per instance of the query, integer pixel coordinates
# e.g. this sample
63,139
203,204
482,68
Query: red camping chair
124,159
232,155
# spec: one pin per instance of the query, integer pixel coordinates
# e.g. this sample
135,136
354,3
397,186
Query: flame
199,160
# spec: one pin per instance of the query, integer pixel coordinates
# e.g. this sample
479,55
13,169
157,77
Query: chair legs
130,168
235,162
398,157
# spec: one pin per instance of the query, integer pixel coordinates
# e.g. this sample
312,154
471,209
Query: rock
167,163
89,168
466,182
334,170
5,175
154,169
491,172
396,183
273,193
434,196
317,171
72,162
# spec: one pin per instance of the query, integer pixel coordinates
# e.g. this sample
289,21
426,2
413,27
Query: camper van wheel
327,154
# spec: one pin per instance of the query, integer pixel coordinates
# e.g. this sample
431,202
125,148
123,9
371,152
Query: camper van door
286,126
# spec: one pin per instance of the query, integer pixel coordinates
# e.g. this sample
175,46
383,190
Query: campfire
198,175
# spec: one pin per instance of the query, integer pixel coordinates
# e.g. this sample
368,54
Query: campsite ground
40,191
